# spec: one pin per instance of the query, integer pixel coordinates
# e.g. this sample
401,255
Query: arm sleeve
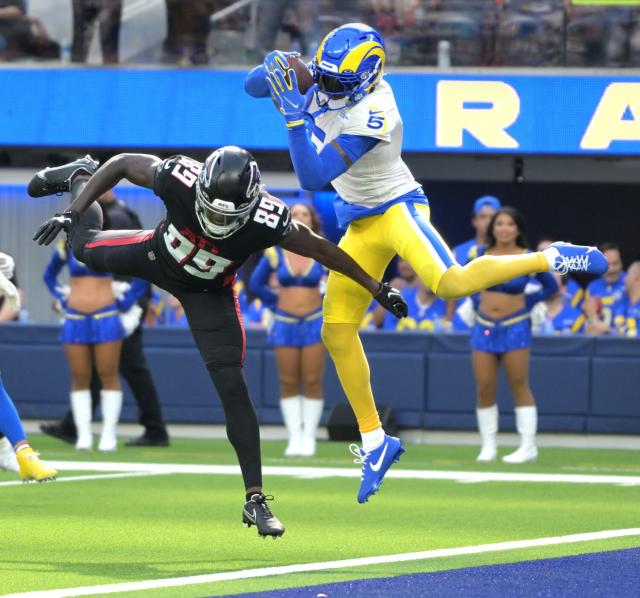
255,83
549,287
52,271
315,171
259,282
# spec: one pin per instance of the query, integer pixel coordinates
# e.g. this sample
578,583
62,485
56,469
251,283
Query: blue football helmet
348,64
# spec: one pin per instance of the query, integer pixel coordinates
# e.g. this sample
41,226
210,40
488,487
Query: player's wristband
297,122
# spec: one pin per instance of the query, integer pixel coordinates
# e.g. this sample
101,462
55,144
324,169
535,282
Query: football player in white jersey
346,130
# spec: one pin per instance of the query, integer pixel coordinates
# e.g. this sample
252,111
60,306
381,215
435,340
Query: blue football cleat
577,259
375,464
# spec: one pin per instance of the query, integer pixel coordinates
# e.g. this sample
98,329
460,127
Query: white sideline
351,472
102,476
322,566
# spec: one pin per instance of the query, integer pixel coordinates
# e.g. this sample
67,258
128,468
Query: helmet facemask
220,217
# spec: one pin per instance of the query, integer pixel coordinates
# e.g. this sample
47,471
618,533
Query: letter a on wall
617,117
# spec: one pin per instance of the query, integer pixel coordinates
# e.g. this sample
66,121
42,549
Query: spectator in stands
627,317
295,334
8,311
604,295
22,35
405,278
502,334
133,364
295,17
562,315
406,275
598,35
484,208
392,15
86,15
92,335
544,242
426,311
187,31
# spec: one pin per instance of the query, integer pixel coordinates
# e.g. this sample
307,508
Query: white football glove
10,292
7,265
131,319
119,288
466,312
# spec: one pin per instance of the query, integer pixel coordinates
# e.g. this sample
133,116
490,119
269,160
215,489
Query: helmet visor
333,85
220,218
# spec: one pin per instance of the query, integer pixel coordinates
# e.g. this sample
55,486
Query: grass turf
132,529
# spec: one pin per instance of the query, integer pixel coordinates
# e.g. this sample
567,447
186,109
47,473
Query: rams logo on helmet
348,64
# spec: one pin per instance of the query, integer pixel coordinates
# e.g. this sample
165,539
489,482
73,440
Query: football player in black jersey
218,214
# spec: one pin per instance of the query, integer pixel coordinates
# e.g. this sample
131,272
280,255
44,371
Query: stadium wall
580,384
483,111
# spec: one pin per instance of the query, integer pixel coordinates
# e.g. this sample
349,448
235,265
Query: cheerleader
295,334
92,334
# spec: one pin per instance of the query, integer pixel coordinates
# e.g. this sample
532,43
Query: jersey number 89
268,212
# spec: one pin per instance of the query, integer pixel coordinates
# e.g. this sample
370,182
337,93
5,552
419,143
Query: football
303,74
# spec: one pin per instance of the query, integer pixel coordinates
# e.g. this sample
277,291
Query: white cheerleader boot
527,425
488,427
81,409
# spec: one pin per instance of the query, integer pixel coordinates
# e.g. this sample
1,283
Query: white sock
110,405
551,253
8,460
311,414
372,440
527,425
488,425
81,409
291,408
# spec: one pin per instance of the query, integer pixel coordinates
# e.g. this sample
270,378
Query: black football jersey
194,257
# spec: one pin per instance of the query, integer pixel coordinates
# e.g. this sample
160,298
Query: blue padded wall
580,384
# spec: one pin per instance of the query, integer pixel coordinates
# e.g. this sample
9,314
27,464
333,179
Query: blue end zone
615,573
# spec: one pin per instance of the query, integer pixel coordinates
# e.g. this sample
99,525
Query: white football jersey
380,175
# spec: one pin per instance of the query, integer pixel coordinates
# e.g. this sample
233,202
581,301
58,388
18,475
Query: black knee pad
90,222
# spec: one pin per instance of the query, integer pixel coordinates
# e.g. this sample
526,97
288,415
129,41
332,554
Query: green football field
130,521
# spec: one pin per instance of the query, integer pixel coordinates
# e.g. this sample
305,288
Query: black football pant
134,369
213,315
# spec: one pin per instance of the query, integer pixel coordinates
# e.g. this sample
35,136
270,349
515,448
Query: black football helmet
227,188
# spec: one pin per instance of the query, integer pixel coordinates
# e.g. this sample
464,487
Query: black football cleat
148,440
59,178
256,512
58,431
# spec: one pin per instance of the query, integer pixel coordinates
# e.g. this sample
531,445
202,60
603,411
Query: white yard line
102,476
174,582
352,472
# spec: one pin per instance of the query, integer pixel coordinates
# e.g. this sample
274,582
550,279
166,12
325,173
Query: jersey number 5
376,120
268,212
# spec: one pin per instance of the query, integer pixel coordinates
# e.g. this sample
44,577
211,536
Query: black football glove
392,300
49,229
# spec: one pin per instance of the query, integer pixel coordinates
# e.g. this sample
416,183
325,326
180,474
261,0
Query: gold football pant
404,229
